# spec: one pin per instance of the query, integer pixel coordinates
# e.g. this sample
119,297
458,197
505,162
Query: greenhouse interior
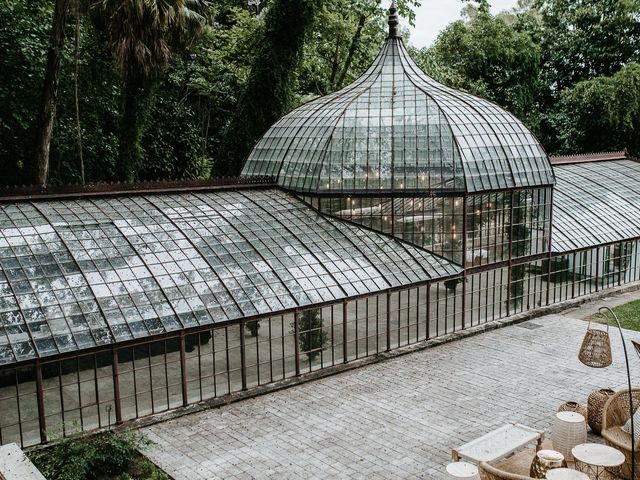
391,212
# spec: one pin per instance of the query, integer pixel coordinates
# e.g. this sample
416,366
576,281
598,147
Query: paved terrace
394,419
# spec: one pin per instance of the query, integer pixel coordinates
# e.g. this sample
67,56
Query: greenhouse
393,211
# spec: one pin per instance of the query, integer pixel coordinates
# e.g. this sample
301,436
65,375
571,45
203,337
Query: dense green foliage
601,114
268,92
534,60
490,58
102,457
582,40
212,78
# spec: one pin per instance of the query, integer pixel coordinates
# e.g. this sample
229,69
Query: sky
434,15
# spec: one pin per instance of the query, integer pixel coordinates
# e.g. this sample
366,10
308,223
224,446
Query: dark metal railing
34,192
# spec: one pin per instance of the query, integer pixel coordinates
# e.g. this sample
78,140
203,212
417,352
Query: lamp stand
626,359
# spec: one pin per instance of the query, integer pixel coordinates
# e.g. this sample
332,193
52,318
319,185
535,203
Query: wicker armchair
489,472
615,414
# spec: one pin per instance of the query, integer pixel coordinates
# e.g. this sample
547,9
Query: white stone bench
14,465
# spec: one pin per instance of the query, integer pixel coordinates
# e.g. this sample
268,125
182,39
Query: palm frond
142,32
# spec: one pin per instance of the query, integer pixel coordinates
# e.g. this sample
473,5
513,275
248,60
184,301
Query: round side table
594,459
462,470
569,430
566,474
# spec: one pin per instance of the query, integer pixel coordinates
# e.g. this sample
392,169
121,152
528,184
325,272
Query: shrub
311,338
107,455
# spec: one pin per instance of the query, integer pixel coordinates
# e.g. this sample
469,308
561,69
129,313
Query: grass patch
628,313
107,456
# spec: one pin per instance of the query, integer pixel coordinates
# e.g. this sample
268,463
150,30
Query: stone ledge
14,465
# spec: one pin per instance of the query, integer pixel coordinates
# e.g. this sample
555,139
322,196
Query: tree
269,92
49,97
253,327
586,39
223,53
24,40
601,114
311,337
76,90
490,58
142,35
345,39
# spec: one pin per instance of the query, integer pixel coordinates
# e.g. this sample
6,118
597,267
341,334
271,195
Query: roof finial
394,21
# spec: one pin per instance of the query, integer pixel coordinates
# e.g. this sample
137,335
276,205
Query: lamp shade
596,348
636,346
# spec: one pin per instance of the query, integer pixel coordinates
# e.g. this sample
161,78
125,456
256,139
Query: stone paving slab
394,419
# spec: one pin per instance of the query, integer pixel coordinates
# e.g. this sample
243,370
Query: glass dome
397,129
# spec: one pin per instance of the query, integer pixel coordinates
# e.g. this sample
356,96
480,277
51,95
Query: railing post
388,320
40,394
573,284
296,335
549,278
464,263
597,269
116,385
621,256
183,369
510,259
428,311
464,300
344,332
243,356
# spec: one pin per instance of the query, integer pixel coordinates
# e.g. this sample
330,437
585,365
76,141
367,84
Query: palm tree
142,35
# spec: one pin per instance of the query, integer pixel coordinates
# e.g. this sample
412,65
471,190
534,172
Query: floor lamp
596,352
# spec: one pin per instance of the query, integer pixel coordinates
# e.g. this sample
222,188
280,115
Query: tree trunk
355,42
76,93
334,64
50,93
134,114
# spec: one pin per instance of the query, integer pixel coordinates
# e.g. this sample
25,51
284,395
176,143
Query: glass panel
595,203
81,273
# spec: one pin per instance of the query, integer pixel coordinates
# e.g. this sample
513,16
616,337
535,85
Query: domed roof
395,128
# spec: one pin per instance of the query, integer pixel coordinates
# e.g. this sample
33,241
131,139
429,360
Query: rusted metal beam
243,356
42,424
344,332
116,385
183,369
57,192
